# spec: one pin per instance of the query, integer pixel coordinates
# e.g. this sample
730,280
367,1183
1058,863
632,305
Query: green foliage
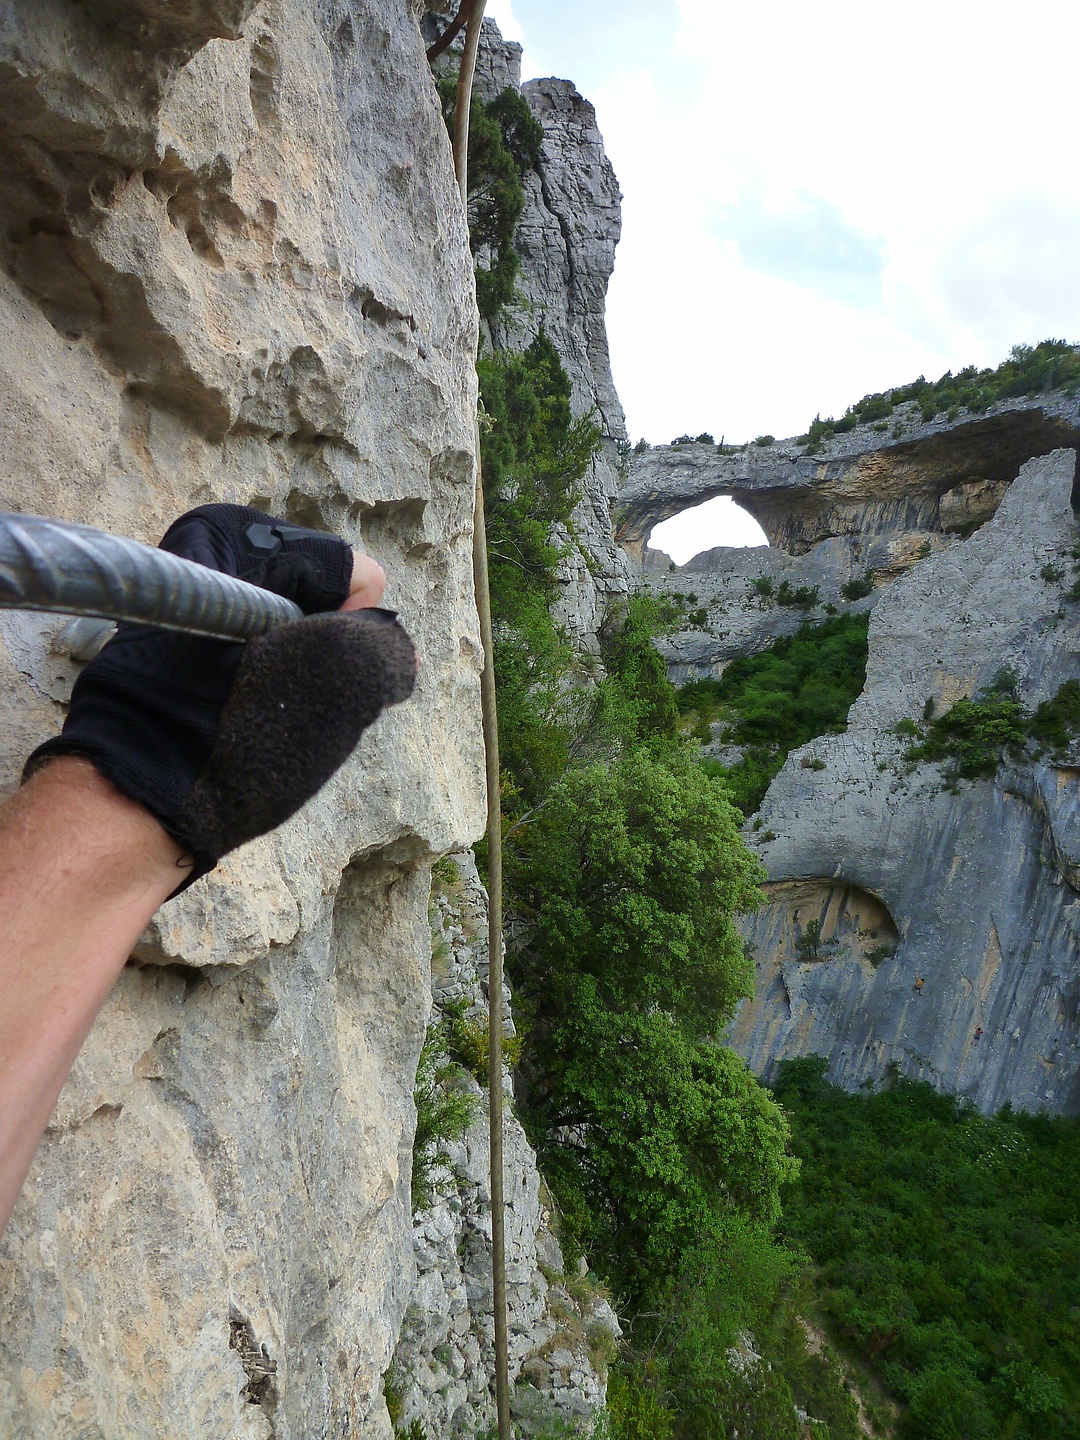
771,703
393,1398
808,945
1029,370
765,440
948,1252
805,597
1056,723
467,1040
504,142
444,1111
971,739
534,454
650,1133
624,868
859,586
635,702
673,1379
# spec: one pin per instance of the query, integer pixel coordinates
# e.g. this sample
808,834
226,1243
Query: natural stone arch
944,478
710,514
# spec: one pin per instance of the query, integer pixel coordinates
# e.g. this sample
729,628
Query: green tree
629,880
504,143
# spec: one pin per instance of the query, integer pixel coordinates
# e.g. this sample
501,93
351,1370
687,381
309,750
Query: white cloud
822,201
502,12
681,536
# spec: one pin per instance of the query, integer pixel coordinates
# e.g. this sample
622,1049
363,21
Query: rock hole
811,922
259,1367
718,521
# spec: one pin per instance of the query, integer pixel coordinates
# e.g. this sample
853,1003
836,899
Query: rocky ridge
237,271
864,509
881,877
566,241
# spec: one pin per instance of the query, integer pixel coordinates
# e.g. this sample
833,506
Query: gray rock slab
977,889
236,269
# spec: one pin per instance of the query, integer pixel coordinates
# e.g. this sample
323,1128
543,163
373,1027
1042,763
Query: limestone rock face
940,476
236,269
566,241
729,597
881,879
560,1329
864,510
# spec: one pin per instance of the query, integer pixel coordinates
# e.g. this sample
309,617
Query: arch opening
716,522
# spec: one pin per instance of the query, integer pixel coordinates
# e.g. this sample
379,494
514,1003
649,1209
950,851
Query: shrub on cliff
972,738
628,882
800,687
504,142
1028,370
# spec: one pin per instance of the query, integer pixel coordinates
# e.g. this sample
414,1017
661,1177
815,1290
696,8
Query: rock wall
561,1330
881,878
867,507
235,269
566,241
943,475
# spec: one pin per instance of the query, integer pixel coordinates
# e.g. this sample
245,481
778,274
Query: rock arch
939,477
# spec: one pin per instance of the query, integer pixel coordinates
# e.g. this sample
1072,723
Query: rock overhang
947,476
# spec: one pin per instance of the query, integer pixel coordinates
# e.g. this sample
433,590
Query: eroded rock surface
561,1330
566,241
236,269
858,514
939,476
977,889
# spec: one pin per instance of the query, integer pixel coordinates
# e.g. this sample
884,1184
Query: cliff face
561,1331
973,892
880,877
235,269
566,241
867,505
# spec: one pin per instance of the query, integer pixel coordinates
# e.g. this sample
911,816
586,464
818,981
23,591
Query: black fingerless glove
309,566
222,742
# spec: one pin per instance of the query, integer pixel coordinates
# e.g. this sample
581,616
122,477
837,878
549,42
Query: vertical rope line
494,808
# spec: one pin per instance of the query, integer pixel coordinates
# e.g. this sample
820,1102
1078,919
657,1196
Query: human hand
222,741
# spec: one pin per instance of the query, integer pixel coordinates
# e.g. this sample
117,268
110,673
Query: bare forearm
82,870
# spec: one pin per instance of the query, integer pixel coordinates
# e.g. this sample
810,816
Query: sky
821,201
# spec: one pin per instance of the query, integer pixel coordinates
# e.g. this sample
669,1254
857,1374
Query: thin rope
494,808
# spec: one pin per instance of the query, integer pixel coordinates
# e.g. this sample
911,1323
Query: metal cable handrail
76,570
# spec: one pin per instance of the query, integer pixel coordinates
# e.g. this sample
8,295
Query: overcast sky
821,200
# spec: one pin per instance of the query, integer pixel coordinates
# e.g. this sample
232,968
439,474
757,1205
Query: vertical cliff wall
961,531
235,269
882,877
566,241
